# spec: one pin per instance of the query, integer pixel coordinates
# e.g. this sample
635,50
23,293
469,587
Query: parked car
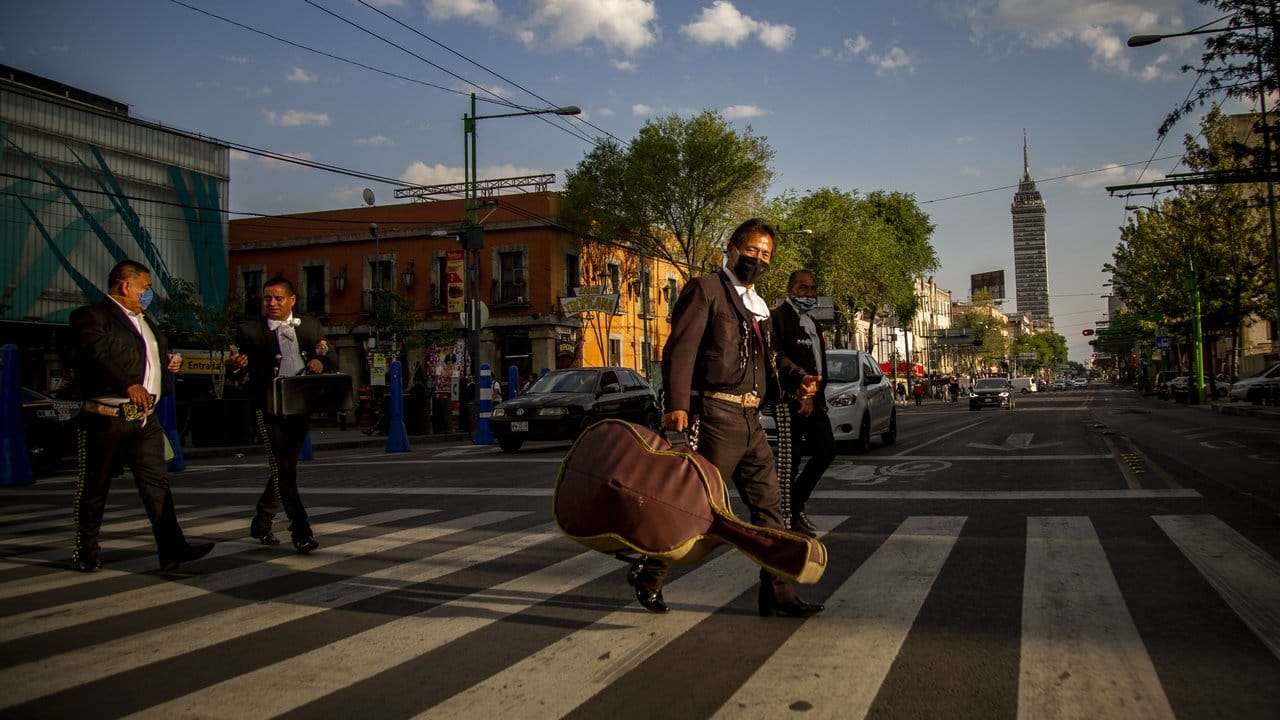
1162,381
859,401
1060,384
50,429
991,392
1240,389
1178,388
563,403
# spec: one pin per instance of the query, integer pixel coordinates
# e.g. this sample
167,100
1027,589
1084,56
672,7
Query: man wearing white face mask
118,361
797,336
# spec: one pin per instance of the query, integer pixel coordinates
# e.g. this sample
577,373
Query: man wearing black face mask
717,368
798,338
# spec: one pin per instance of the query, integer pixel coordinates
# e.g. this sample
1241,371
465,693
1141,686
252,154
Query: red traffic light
1087,331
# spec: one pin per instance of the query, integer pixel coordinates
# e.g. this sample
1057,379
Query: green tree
674,193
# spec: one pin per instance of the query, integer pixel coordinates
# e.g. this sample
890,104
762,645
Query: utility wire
1043,180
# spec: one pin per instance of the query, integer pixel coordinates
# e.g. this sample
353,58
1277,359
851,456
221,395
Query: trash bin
440,411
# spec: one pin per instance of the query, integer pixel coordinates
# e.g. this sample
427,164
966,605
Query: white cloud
641,109
605,112
239,154
237,59
1099,26
296,118
738,112
299,75
624,65
971,171
484,12
374,140
857,45
723,23
420,173
626,25
1109,174
964,140
892,61
386,3
60,48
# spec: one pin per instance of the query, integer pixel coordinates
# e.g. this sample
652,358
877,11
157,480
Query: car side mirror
610,388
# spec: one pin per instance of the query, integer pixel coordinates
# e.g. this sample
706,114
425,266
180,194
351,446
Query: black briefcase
306,394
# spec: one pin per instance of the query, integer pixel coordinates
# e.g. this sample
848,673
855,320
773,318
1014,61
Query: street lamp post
1193,288
1143,40
472,236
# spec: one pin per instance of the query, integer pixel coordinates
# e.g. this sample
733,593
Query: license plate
520,426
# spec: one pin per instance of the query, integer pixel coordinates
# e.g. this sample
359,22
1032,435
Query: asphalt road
1088,554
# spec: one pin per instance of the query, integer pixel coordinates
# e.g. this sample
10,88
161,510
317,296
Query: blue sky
929,97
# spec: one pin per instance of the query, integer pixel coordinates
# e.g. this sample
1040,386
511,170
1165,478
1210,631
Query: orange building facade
534,279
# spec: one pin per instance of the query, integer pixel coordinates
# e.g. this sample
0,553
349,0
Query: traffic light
1087,331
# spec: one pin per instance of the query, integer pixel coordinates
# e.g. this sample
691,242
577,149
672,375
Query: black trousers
810,435
284,436
732,439
103,443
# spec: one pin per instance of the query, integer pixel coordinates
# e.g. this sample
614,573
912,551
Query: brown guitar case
623,488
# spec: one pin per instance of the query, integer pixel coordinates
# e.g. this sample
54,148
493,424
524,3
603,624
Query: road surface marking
1247,578
837,663
1082,656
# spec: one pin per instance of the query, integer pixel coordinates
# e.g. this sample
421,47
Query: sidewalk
326,438
1246,409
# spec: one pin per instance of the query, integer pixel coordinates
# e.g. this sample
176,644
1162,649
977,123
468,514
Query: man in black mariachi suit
118,359
798,338
279,345
717,368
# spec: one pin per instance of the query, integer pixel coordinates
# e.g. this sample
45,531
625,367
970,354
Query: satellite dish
368,196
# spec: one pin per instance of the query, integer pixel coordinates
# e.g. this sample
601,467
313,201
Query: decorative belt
746,400
127,411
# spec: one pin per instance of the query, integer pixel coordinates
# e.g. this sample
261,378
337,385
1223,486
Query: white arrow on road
1016,441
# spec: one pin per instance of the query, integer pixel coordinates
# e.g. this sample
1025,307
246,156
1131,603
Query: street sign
1162,342
1027,356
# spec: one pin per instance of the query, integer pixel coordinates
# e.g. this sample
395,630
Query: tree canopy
674,193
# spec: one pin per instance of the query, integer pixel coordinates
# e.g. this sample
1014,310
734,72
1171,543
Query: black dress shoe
87,563
650,600
189,553
802,523
266,537
305,545
796,608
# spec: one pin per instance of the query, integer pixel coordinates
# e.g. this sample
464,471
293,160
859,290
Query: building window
511,276
381,274
572,273
313,289
252,280
615,278
615,351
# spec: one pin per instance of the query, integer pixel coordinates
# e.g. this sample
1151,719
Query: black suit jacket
110,352
795,344
704,350
262,347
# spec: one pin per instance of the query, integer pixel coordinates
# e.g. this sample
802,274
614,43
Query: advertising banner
454,268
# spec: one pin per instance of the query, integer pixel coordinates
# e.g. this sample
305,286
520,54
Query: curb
319,443
1259,411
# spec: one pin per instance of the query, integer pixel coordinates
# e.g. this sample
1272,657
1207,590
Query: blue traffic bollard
167,411
483,435
306,452
513,383
15,466
397,438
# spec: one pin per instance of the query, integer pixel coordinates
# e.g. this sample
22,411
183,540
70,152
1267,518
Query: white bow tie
277,324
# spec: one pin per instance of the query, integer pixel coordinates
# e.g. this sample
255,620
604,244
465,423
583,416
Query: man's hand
809,385
175,363
237,360
806,407
139,396
676,421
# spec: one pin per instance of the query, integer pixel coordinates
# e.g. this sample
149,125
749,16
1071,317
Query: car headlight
973,394
1004,394
843,400
553,412
499,412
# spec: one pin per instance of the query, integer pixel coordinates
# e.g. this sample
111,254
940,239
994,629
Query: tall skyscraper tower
1030,248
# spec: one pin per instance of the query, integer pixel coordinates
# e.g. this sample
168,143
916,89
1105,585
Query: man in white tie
280,345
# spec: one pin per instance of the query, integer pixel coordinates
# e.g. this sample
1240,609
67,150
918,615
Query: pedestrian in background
121,377
918,392
280,345
718,366
797,337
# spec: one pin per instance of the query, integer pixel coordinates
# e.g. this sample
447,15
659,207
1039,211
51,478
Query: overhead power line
1044,180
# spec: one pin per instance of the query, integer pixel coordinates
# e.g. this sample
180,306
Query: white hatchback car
859,401
1240,388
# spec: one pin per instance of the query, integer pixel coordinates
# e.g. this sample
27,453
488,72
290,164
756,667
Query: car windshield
990,384
842,368
573,381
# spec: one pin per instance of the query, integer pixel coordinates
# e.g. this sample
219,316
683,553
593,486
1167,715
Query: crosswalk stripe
47,619
837,663
549,683
1082,656
65,523
36,679
330,668
1246,577
148,562
20,513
